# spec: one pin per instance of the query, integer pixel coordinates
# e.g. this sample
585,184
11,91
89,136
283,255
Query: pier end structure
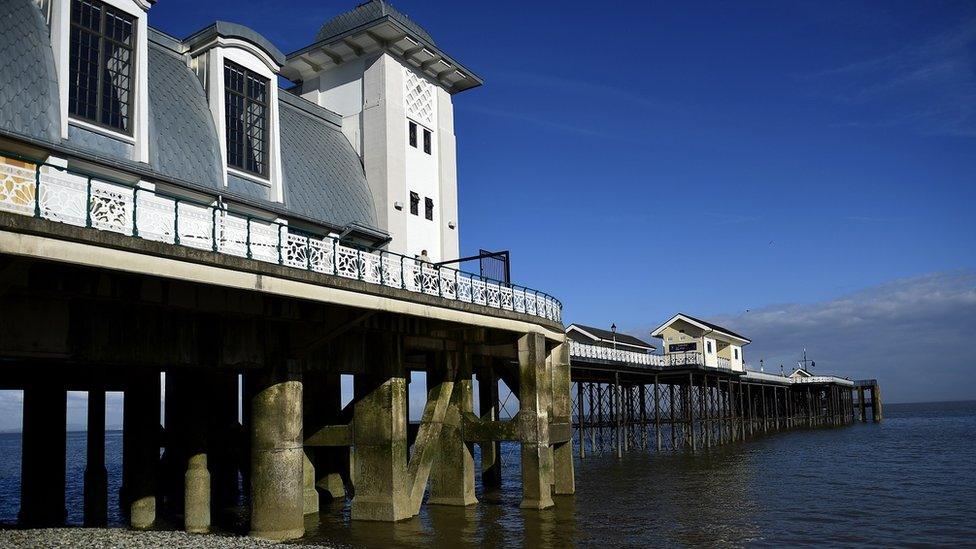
626,397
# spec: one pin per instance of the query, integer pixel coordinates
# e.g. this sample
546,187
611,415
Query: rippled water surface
910,479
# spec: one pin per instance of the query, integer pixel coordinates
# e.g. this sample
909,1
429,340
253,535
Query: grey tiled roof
323,182
182,136
324,178
29,102
366,13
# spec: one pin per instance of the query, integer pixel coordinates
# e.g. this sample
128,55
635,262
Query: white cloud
913,334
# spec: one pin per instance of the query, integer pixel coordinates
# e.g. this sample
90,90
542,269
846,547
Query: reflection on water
908,479
850,485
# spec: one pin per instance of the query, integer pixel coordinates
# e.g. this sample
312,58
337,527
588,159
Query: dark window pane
246,118
429,209
413,134
414,203
100,64
427,141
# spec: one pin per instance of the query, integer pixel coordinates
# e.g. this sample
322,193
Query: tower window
414,203
100,64
427,141
736,351
413,134
246,110
429,209
708,347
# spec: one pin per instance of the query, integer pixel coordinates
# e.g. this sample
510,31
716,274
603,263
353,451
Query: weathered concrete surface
380,432
562,404
196,506
491,459
43,461
452,474
326,466
41,238
277,456
534,423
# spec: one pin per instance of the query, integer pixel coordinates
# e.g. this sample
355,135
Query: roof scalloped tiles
183,139
28,97
324,178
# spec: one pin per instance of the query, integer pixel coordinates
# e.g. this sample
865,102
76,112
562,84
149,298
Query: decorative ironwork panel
111,207
17,182
63,196
196,225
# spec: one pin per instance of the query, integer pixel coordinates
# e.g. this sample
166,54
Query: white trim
708,329
102,130
61,48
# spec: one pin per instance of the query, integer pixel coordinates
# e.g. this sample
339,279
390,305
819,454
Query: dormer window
246,112
100,65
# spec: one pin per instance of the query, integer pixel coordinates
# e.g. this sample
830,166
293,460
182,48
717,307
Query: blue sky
804,171
780,158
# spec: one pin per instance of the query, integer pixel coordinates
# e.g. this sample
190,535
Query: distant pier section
697,393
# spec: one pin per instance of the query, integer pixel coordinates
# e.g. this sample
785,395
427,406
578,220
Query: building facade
361,146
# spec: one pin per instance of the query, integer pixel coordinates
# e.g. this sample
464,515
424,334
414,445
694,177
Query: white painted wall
371,95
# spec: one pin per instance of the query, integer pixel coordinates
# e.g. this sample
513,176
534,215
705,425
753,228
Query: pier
626,398
250,267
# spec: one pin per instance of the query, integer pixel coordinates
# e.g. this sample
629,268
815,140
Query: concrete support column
491,458
380,433
196,479
562,412
534,423
876,403
326,466
96,477
140,425
452,474
43,459
277,455
861,404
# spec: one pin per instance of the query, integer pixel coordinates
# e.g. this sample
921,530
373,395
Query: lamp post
613,330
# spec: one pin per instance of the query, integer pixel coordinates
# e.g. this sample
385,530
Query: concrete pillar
140,425
562,410
861,404
534,423
491,458
277,455
43,459
452,474
380,433
196,479
96,477
876,409
325,467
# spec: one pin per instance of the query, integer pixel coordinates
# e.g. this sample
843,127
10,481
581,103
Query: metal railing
671,360
583,350
55,193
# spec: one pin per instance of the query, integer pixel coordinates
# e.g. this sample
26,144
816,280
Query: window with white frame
101,61
246,117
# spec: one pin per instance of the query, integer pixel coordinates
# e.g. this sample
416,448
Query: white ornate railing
724,363
55,193
582,350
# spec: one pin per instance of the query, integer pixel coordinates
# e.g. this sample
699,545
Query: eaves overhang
382,34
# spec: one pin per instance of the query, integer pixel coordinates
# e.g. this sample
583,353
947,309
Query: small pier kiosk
697,392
